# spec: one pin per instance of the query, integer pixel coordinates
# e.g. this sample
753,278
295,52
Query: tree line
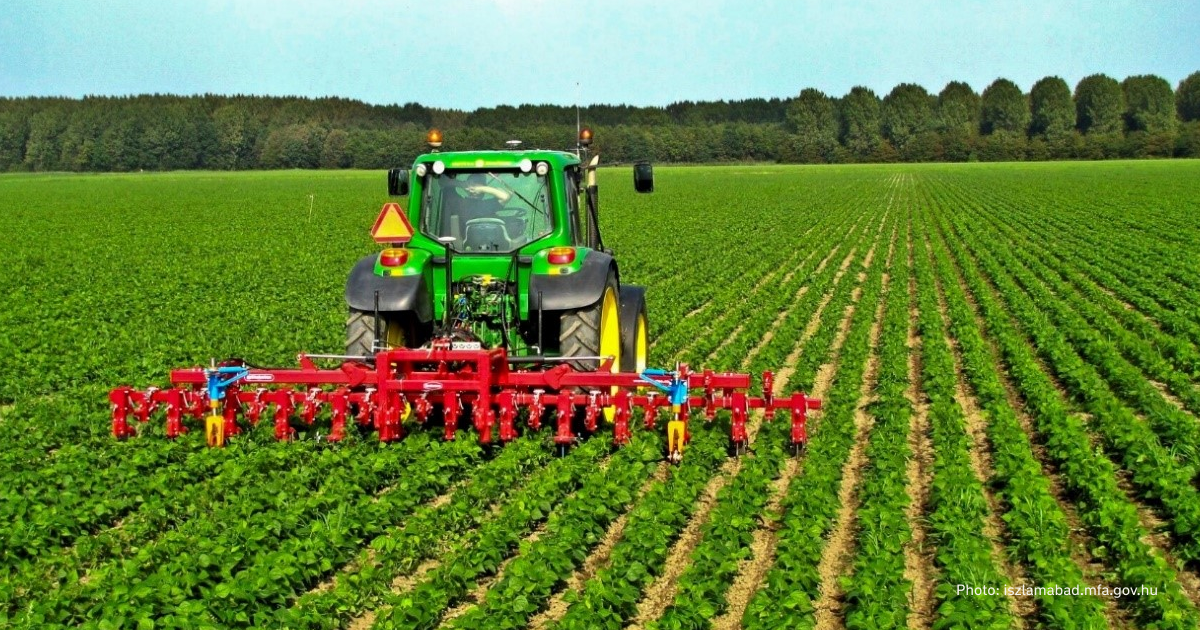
1101,118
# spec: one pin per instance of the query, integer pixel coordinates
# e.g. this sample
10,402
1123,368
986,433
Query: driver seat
486,235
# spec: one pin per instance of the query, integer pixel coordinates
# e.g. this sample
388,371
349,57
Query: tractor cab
502,249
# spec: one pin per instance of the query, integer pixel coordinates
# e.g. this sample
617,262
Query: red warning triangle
392,226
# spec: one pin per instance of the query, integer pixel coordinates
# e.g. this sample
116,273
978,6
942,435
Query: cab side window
572,191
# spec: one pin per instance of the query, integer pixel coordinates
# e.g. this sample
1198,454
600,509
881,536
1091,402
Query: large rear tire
360,333
593,331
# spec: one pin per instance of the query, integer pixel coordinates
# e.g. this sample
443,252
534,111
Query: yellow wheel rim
641,348
610,339
394,335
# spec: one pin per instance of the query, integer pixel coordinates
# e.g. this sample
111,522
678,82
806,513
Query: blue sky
467,54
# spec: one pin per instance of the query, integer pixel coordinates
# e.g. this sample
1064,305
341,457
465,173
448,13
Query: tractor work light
543,168
560,255
393,257
421,170
434,138
526,165
585,137
439,167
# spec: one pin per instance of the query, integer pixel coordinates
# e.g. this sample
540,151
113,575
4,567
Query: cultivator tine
122,406
738,412
621,416
257,405
650,413
283,410
393,410
339,405
564,410
592,412
508,414
422,408
175,407
229,414
537,409
483,417
768,387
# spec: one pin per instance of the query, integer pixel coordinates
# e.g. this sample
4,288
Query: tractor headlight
543,168
439,167
421,170
526,165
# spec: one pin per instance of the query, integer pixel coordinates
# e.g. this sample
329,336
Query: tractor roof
500,159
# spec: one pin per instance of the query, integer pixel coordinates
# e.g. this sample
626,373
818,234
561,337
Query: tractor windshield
486,211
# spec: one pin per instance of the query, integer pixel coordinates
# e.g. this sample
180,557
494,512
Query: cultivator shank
482,387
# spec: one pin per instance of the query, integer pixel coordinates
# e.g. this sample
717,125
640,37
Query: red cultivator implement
480,386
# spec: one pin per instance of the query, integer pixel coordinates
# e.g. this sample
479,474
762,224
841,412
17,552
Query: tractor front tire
593,330
360,333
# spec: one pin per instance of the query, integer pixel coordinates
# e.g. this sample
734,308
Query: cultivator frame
384,390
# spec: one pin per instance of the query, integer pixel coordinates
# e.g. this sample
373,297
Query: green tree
294,146
14,131
860,122
813,115
1002,146
1051,108
1003,107
813,118
1187,144
958,121
906,112
1149,104
1099,105
1187,98
958,108
333,152
43,149
237,129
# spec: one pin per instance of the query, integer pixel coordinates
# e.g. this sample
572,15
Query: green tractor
499,249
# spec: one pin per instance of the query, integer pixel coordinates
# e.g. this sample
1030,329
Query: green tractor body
505,251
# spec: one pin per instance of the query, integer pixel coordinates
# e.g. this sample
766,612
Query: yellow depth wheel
214,430
676,435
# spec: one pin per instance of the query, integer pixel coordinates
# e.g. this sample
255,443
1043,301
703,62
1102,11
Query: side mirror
397,182
643,177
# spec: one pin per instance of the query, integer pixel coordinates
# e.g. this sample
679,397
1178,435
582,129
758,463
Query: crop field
1009,356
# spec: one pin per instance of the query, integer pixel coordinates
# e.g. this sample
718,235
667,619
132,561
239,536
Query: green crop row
173,497
727,536
958,507
1162,357
180,564
1154,470
1039,535
811,504
877,592
1126,276
483,553
531,578
1103,507
609,599
401,549
756,315
1103,349
816,350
